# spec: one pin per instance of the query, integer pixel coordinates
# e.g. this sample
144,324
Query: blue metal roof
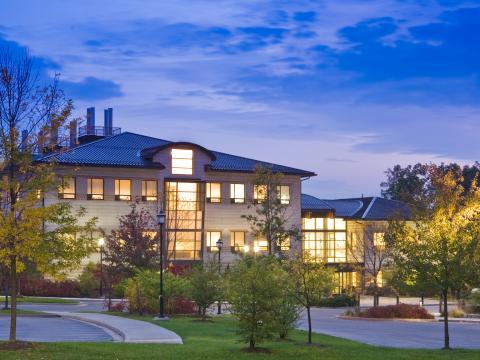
366,208
124,150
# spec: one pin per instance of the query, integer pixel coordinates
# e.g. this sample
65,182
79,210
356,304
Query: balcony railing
98,131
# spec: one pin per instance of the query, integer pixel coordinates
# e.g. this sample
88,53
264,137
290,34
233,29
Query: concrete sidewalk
129,330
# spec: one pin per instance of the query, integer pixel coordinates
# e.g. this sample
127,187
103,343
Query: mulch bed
17,345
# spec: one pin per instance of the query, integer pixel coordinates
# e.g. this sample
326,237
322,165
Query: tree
134,245
287,309
31,117
270,218
313,280
441,247
370,250
204,285
252,290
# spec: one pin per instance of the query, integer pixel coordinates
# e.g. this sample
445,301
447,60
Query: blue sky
343,88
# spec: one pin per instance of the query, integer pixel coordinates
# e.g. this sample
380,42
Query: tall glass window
123,189
237,193
95,189
325,239
214,192
149,190
182,161
184,220
67,188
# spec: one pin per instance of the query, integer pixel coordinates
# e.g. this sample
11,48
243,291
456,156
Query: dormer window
182,161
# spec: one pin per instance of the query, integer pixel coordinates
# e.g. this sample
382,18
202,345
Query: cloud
91,88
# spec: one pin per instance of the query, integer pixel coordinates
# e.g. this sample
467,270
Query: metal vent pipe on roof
73,133
108,121
90,120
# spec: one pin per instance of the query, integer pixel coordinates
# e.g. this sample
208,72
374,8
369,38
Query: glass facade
324,239
184,220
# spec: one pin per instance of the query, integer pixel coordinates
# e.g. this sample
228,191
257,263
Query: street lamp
101,244
161,223
219,247
256,249
246,248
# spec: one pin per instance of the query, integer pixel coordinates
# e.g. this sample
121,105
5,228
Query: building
204,193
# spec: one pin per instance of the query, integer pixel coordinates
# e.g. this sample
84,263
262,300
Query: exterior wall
224,216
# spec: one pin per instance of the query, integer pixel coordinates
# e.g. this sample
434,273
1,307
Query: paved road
53,329
83,305
393,333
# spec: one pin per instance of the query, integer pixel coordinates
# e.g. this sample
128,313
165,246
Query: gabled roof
366,208
312,203
125,150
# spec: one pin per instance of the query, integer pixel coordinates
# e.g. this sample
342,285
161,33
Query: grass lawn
40,300
217,340
20,312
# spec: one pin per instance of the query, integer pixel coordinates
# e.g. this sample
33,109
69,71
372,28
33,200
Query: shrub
118,307
88,282
338,300
38,286
204,286
143,289
473,301
400,311
456,313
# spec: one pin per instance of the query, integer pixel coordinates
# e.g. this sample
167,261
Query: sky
346,89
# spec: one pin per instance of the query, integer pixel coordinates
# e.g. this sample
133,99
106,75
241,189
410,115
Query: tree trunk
446,345
440,304
398,300
252,344
309,325
13,299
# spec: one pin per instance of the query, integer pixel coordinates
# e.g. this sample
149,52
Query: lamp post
219,247
101,244
161,223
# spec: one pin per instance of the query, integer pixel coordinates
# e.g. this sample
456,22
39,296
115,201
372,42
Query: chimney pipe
91,121
24,140
53,134
108,121
73,133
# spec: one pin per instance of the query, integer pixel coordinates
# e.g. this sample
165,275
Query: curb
342,317
97,323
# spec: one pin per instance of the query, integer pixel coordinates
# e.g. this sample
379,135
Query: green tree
313,280
440,248
287,309
205,285
270,218
49,236
252,293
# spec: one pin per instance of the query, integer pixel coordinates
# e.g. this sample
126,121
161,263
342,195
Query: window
123,190
283,194
379,239
259,193
260,245
182,161
212,238
325,239
95,189
237,240
237,193
214,192
149,190
67,188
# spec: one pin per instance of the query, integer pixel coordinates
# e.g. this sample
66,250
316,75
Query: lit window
182,161
212,238
308,223
379,239
149,190
260,245
237,193
330,224
123,190
340,224
67,188
285,244
95,189
259,193
380,279
237,240
214,192
283,194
